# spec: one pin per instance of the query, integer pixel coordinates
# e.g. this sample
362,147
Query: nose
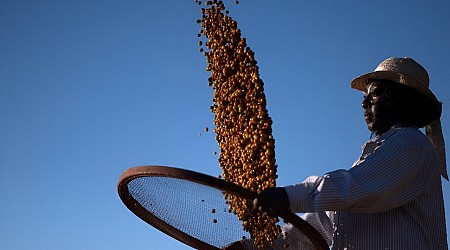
365,102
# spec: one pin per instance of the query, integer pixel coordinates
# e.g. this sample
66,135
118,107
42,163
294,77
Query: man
391,198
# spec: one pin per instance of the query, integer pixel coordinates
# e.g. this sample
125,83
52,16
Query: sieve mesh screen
197,210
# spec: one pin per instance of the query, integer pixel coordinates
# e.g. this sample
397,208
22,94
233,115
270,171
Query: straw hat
402,70
410,73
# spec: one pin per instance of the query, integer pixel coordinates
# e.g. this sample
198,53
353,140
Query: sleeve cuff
298,197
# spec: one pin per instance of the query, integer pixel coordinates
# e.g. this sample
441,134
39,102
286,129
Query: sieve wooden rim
170,172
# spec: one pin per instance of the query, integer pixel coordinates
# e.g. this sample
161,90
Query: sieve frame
188,175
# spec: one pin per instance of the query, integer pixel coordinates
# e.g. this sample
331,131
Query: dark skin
379,112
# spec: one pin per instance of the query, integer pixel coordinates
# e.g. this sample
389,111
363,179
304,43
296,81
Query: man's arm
394,174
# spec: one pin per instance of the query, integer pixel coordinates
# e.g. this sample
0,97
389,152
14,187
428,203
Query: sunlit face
378,108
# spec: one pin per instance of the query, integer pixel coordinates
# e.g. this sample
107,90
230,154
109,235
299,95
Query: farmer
391,198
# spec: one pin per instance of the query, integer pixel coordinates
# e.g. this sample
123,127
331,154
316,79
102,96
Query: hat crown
408,67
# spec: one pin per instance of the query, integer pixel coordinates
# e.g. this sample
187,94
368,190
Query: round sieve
190,206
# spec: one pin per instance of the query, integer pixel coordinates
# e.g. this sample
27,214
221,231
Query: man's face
378,108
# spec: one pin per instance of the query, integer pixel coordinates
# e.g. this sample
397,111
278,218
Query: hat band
434,133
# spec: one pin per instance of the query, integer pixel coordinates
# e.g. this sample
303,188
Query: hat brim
360,82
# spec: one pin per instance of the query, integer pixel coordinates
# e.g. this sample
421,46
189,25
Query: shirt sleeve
390,176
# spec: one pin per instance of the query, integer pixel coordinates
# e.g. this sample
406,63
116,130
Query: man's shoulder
408,136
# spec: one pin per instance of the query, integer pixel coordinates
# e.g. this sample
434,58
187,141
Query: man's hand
273,201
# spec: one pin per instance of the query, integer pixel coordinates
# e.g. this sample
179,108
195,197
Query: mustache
368,114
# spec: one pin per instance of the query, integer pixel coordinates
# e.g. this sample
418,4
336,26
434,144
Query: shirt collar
387,133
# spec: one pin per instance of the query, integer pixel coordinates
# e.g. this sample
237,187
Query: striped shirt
391,198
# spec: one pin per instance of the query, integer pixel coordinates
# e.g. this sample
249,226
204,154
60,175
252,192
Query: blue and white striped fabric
391,198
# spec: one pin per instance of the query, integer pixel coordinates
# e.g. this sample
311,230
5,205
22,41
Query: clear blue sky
91,88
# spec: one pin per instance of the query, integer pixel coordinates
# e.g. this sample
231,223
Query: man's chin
372,127
369,125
